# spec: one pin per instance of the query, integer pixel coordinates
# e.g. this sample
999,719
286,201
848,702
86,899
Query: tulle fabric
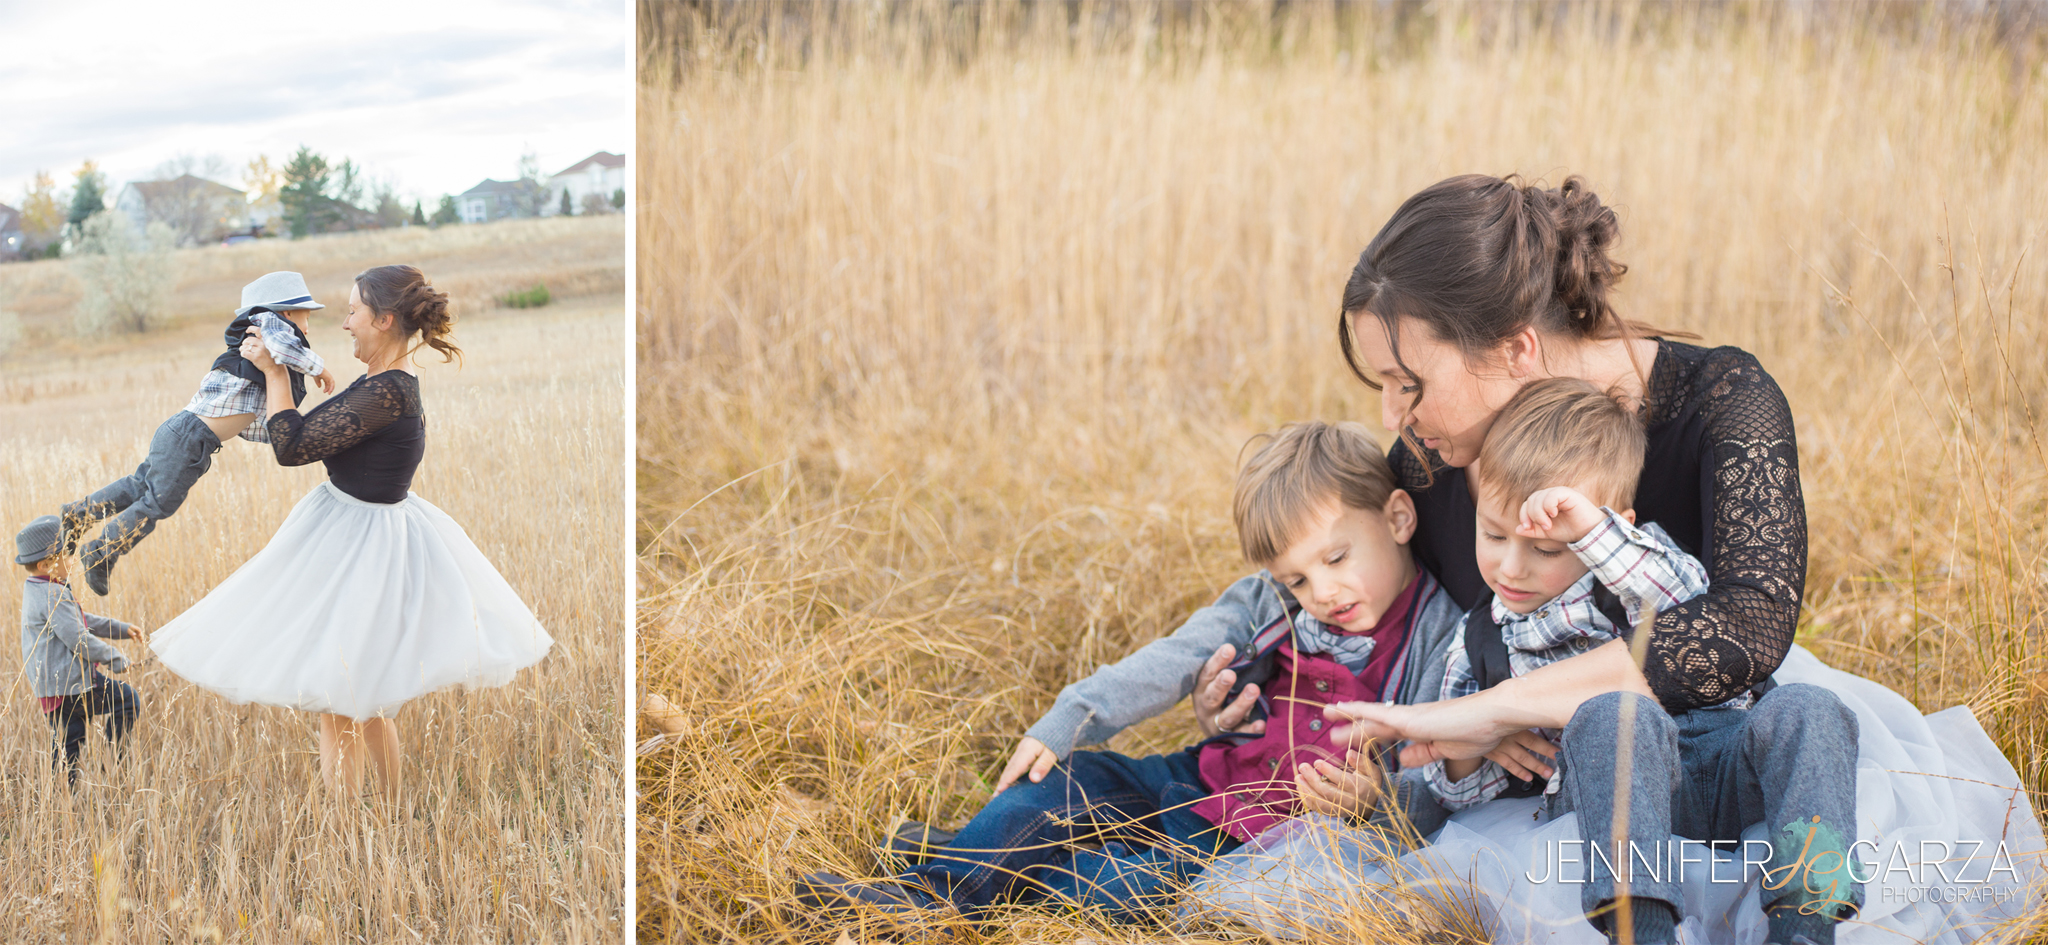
1933,793
355,608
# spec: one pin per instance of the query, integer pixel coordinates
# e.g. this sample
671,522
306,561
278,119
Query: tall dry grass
952,321
215,827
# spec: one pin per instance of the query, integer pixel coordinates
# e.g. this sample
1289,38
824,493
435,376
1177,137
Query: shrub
530,298
127,273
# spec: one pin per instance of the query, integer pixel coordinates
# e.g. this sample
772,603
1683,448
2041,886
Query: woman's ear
1400,515
1522,353
383,321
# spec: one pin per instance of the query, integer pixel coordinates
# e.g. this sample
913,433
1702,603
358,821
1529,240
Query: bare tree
126,273
187,196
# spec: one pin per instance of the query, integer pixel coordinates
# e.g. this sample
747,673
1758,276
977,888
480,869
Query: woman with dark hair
1475,287
368,596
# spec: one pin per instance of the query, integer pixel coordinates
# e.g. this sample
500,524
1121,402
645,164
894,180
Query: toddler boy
62,650
1570,573
230,397
1339,612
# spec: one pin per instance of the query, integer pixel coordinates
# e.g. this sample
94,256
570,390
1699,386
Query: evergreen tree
418,218
304,194
566,209
87,197
447,213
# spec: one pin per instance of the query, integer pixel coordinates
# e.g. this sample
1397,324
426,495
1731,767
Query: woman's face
361,325
1458,398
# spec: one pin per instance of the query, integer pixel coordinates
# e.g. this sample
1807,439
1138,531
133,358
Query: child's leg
120,704
1146,870
1790,763
1020,846
1597,743
68,723
380,737
180,452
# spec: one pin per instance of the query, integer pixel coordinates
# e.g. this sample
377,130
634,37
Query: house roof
152,189
601,158
490,186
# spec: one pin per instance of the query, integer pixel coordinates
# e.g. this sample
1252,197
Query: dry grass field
215,827
952,321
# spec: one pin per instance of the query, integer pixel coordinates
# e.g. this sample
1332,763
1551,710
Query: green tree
304,194
446,213
87,196
566,210
619,199
418,218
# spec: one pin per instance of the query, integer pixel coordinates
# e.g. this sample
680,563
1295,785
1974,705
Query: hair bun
1584,272
403,293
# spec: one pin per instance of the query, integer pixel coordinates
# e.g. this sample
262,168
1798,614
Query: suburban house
12,240
198,210
498,199
600,174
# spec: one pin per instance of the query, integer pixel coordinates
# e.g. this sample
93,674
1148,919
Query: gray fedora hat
277,291
36,541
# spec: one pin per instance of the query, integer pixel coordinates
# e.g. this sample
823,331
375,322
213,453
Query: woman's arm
1711,648
1475,725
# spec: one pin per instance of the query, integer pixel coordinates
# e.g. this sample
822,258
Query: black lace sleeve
1714,646
367,406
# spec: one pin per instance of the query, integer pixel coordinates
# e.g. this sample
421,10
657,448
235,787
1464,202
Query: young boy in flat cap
229,403
63,649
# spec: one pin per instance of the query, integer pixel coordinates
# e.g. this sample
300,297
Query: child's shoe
72,523
96,573
879,905
911,845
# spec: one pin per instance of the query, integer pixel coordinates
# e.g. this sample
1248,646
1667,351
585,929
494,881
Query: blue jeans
180,452
73,714
1026,844
1788,762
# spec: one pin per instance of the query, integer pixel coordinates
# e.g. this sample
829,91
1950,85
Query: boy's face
1525,573
1349,564
51,567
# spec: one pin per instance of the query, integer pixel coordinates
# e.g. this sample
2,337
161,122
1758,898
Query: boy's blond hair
1297,470
1562,431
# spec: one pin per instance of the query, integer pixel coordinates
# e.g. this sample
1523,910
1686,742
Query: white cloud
432,95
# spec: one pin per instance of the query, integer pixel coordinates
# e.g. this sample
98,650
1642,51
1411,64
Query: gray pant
1788,762
179,453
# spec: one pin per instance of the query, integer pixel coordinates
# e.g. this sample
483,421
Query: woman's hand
1349,791
1468,727
257,353
1212,686
1031,756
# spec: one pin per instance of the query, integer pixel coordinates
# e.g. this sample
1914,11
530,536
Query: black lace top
371,436
1721,475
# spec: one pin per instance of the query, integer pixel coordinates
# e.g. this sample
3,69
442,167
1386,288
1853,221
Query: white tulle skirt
354,608
1954,838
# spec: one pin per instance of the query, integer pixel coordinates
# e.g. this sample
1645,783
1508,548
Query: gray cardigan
1162,673
58,640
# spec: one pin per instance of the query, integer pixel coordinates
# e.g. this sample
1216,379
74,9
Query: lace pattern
371,403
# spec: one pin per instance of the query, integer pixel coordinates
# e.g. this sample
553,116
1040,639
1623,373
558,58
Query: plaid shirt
1643,568
223,395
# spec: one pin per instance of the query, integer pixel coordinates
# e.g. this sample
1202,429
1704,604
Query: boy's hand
1350,791
326,381
1212,686
1526,754
136,633
1032,756
1559,513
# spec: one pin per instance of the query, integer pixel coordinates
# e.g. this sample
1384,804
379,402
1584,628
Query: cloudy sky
430,96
